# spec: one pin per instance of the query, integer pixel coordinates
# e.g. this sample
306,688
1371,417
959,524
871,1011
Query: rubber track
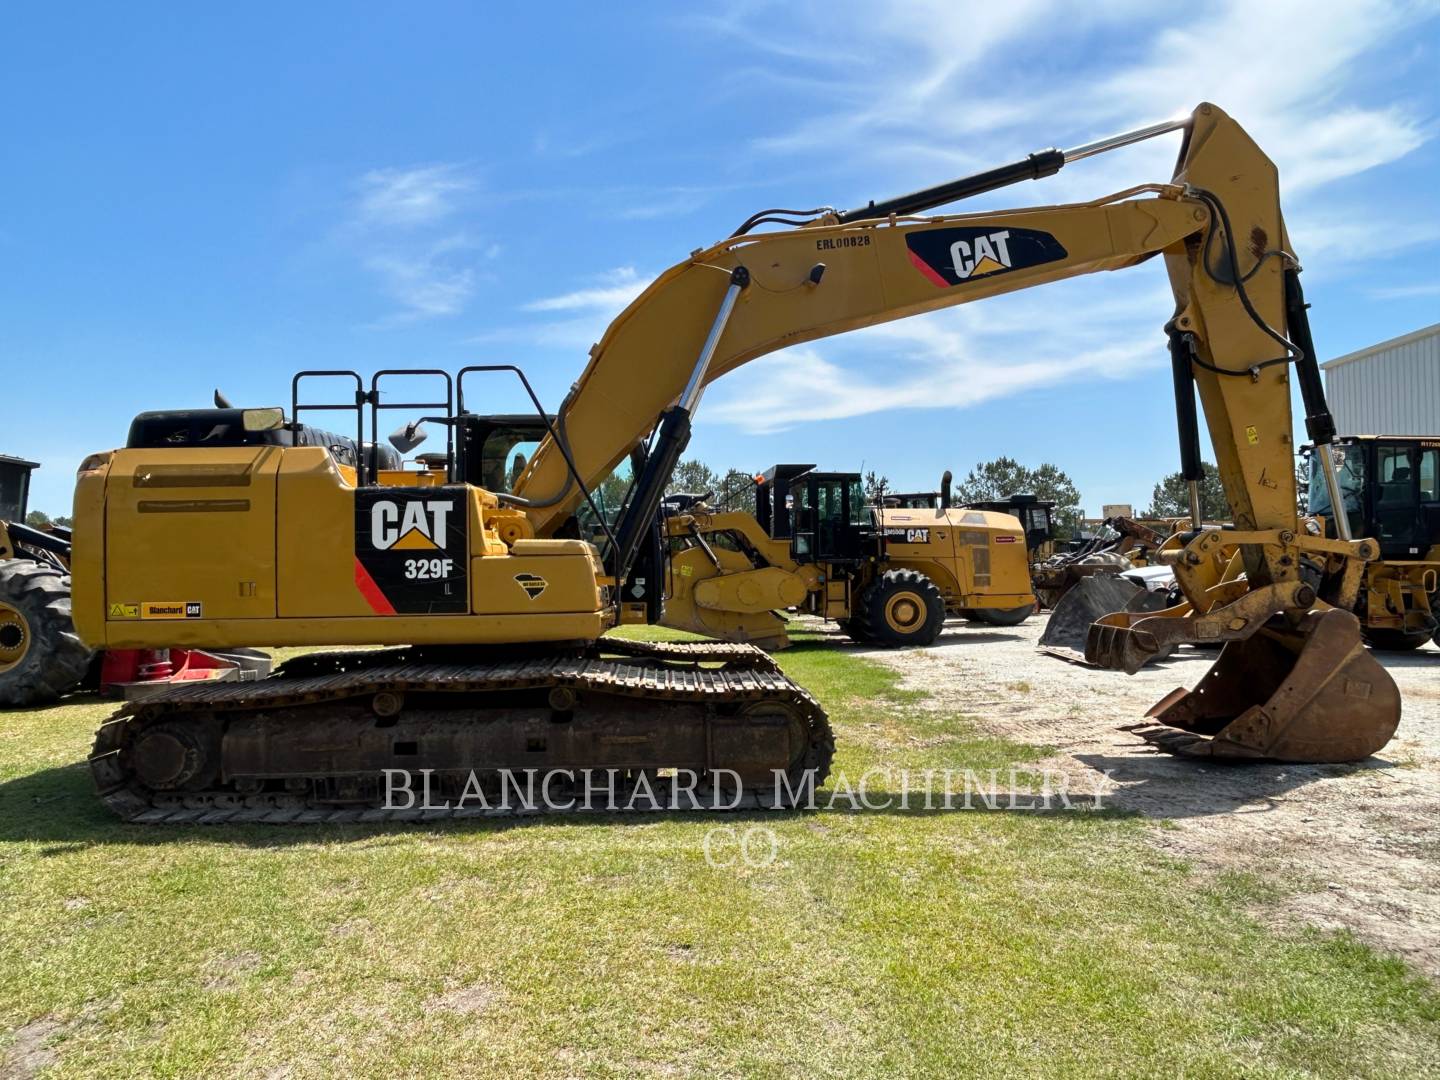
132,802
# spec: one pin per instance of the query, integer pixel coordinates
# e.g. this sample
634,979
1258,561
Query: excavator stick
1308,694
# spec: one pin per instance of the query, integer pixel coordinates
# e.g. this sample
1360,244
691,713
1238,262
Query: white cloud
616,288
939,89
585,312
953,359
399,198
944,73
422,284
401,230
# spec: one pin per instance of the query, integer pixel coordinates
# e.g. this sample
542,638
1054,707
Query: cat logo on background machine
411,553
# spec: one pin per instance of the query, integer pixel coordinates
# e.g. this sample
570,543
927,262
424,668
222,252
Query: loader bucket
1092,598
1310,694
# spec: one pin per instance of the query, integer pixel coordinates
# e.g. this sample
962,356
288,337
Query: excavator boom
1238,326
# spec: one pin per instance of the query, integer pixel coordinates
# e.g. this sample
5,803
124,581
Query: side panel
927,541
529,584
191,536
994,543
315,538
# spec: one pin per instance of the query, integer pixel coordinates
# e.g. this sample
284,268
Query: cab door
829,515
1399,519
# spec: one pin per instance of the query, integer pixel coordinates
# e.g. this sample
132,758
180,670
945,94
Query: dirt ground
1361,841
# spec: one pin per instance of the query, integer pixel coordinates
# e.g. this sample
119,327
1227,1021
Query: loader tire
1394,640
41,657
1004,616
901,607
854,630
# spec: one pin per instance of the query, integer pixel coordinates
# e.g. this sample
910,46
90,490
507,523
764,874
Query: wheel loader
887,574
496,604
1390,489
41,656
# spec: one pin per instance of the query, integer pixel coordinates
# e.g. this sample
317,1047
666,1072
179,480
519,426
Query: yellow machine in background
250,528
1390,487
888,575
41,657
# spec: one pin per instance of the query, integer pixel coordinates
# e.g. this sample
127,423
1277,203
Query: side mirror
408,436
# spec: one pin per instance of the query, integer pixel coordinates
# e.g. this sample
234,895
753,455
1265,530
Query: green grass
875,944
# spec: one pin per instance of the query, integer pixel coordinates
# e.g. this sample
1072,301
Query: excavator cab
496,449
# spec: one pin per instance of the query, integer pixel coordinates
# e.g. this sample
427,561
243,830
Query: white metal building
1388,389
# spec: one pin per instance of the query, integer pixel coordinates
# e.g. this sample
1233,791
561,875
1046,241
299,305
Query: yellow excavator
889,575
256,529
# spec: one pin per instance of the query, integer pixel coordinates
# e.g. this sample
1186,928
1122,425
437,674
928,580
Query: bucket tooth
1308,694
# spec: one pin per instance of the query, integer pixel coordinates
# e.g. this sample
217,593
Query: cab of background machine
823,514
1390,486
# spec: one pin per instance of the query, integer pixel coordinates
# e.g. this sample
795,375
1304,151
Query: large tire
1004,616
901,607
1394,640
854,630
41,657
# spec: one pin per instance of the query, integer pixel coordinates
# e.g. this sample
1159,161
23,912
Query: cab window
504,456
609,498
859,512
1430,476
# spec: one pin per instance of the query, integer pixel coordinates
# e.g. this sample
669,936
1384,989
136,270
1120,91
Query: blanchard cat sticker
907,536
411,553
953,256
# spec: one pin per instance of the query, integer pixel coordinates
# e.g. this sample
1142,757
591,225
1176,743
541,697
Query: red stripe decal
928,270
368,589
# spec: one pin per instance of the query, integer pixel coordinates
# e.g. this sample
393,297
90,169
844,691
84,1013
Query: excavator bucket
1091,599
1310,694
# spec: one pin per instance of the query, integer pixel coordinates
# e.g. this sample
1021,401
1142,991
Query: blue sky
198,198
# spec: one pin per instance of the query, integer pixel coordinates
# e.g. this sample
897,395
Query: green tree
37,519
693,477
991,481
737,492
1172,496
996,481
876,485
